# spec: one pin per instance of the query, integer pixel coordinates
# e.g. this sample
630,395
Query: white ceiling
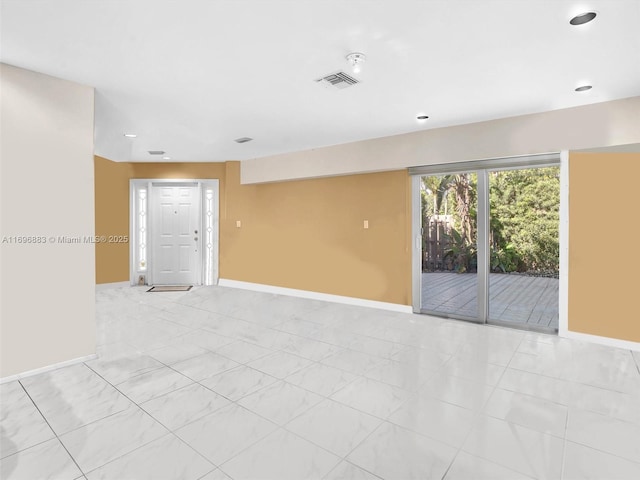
190,76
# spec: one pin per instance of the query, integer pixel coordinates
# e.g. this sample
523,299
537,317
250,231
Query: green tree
453,195
524,219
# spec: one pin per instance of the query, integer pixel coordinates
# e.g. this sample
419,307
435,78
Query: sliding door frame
481,168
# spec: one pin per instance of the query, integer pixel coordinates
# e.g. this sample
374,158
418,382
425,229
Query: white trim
493,164
361,302
109,286
416,245
563,299
607,341
210,259
483,259
48,368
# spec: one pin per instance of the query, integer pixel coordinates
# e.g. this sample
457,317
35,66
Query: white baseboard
108,286
48,368
360,302
607,341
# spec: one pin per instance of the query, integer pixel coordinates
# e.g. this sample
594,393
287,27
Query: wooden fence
436,241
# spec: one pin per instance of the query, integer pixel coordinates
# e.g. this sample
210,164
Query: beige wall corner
603,238
597,125
47,201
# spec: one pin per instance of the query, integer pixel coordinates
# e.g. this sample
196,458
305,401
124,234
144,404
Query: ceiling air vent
243,140
156,152
338,80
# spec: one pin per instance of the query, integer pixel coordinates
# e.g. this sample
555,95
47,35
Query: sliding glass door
449,244
524,246
489,242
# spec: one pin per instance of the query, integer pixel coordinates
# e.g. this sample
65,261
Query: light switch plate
366,224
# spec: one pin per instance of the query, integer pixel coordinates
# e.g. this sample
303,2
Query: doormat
170,288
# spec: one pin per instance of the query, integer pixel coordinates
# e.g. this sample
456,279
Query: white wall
598,125
47,291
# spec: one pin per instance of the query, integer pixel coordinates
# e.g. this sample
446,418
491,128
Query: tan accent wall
309,235
603,244
112,218
305,235
112,205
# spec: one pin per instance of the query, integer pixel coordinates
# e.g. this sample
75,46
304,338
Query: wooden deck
512,298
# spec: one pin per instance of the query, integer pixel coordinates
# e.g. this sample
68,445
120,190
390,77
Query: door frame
482,168
140,246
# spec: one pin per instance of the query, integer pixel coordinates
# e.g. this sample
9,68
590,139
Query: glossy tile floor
222,383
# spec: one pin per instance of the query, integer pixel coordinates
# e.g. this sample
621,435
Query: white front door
175,234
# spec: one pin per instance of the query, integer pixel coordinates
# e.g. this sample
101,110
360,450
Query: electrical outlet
366,224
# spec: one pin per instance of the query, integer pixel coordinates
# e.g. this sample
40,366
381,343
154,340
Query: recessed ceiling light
156,152
583,18
243,140
130,135
422,117
583,88
166,158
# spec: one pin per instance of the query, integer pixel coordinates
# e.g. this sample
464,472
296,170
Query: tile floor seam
209,473
288,383
599,450
239,398
321,401
194,380
635,360
326,477
129,452
133,403
169,432
375,430
136,403
500,464
384,419
27,448
596,448
343,458
115,385
196,451
480,412
260,438
54,432
615,419
310,391
333,393
564,445
446,472
239,406
476,415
